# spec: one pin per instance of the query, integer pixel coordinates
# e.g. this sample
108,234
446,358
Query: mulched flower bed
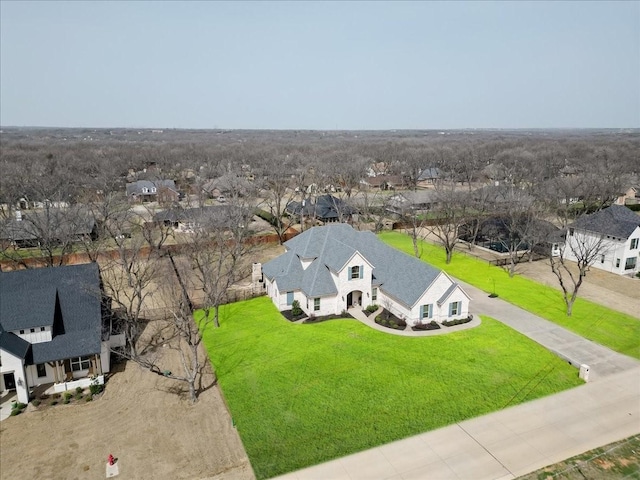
327,317
292,318
460,321
389,320
432,325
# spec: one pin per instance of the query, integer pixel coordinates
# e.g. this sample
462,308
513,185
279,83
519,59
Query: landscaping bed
389,320
288,314
432,325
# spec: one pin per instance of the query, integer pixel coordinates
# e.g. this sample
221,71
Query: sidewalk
504,444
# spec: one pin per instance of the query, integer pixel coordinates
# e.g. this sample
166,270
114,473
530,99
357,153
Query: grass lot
617,460
304,394
613,329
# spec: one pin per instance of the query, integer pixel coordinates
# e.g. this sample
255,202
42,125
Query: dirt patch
146,421
617,460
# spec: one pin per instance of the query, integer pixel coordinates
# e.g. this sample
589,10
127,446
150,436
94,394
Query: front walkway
358,314
6,401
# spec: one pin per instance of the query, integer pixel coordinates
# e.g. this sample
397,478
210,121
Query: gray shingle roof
137,187
616,220
13,344
331,246
67,298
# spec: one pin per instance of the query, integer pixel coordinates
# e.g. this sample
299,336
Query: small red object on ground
111,459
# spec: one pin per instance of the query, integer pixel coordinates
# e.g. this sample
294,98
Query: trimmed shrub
67,396
295,308
88,398
432,325
371,309
95,389
35,402
459,321
15,411
53,402
78,390
387,319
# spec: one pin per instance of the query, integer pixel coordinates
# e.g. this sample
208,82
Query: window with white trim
426,311
454,308
355,273
634,243
374,294
602,258
316,304
617,262
630,263
80,363
42,370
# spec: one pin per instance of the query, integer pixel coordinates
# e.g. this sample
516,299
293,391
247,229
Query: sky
320,65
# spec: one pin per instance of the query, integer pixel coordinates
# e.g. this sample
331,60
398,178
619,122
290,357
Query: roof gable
74,290
616,221
398,274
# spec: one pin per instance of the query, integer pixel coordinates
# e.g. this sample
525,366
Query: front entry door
9,381
350,300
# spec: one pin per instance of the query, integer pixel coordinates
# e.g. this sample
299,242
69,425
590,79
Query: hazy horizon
320,66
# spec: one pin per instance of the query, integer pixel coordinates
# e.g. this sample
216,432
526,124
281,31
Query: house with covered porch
332,268
55,327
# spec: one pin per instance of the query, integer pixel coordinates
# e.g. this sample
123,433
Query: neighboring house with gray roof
53,329
163,191
616,232
332,268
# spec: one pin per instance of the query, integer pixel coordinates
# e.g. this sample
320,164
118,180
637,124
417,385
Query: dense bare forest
65,164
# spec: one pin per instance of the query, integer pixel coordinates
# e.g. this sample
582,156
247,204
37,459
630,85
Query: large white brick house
616,232
332,268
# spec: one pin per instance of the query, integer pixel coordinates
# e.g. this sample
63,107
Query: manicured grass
615,330
304,394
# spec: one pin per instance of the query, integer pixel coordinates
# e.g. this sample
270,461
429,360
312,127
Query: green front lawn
304,394
615,330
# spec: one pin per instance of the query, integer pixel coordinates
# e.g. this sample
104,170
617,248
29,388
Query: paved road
520,439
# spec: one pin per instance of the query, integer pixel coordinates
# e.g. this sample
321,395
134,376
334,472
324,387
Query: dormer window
355,273
145,190
153,189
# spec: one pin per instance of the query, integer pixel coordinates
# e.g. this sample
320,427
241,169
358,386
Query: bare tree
450,214
277,192
131,269
585,249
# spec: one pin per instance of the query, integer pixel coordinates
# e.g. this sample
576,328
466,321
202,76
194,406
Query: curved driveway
519,439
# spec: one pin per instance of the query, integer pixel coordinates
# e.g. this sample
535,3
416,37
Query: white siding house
51,329
333,268
615,232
